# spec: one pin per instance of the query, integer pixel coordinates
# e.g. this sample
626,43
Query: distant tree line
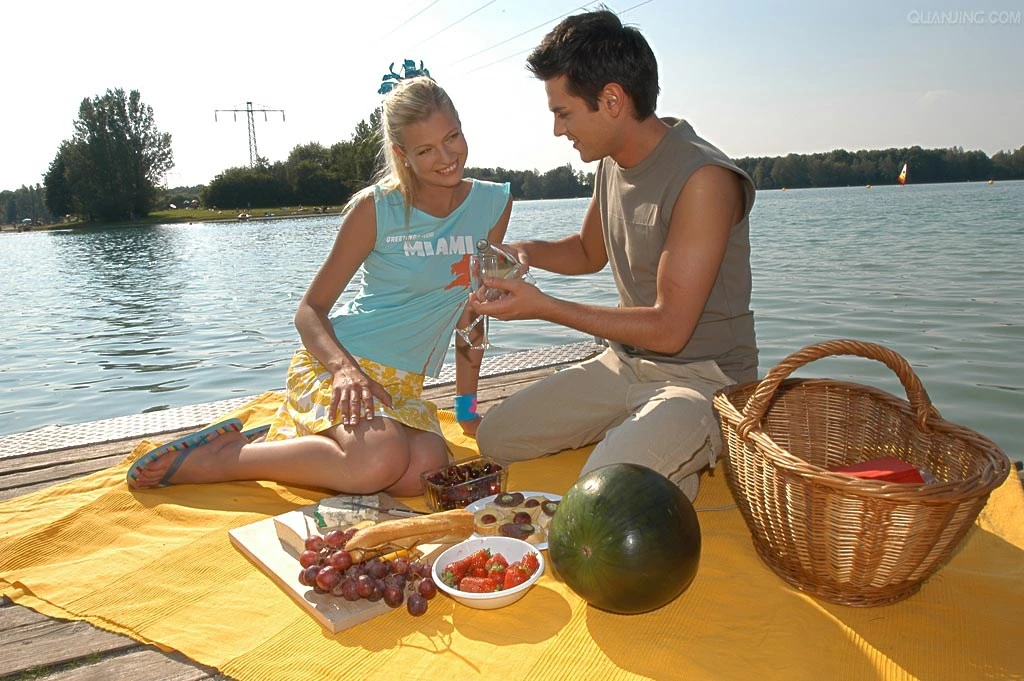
112,169
25,203
558,183
841,168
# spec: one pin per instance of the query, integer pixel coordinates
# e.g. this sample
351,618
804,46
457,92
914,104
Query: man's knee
489,438
496,438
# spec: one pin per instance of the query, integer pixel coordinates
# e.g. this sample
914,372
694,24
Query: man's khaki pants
655,414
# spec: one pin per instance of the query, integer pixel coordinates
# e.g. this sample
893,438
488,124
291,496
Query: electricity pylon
249,111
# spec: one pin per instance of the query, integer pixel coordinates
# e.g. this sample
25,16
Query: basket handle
757,405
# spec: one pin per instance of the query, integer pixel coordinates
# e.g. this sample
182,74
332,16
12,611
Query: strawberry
476,585
496,563
449,578
480,558
531,563
515,575
478,572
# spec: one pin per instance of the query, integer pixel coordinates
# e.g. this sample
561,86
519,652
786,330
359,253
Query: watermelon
625,539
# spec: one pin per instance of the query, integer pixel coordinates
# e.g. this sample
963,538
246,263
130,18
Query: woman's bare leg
372,456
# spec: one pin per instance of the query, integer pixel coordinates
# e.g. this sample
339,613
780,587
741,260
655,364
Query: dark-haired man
670,214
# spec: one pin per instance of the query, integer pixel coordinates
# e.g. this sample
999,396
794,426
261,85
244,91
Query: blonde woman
354,420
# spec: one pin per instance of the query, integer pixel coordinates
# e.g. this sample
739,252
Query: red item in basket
887,468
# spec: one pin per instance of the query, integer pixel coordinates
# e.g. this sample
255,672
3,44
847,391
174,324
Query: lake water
122,321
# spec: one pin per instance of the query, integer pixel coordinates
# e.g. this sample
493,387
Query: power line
641,4
519,35
454,23
410,18
630,9
528,49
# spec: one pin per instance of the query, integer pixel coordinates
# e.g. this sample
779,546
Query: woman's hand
353,393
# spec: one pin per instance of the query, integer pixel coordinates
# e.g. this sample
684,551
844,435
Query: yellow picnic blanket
158,566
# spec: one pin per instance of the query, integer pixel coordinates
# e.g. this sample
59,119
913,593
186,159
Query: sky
754,78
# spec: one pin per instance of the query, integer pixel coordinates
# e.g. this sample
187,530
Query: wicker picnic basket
840,538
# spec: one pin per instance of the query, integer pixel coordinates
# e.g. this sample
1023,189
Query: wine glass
486,266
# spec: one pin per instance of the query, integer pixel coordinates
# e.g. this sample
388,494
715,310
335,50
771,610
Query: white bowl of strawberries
488,572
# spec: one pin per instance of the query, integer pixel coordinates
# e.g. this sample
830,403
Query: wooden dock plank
147,664
44,642
100,454
25,474
57,472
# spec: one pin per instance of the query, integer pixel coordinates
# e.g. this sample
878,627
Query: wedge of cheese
346,510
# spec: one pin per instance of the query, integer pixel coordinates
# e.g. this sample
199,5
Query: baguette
407,533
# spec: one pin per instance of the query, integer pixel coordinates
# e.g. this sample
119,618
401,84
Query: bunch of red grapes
328,568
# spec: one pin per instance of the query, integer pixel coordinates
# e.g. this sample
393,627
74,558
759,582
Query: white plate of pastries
521,515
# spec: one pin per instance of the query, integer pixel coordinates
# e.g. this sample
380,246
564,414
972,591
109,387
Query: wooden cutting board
270,546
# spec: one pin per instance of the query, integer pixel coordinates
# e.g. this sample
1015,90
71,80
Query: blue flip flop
183,445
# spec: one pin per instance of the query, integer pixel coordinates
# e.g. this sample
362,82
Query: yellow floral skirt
308,398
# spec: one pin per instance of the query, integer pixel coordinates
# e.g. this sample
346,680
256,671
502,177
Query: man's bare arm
581,253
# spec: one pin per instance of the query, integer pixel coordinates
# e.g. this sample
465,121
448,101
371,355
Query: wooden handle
758,403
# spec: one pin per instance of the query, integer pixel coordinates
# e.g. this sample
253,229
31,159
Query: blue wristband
465,407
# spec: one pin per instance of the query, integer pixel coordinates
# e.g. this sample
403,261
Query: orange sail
903,175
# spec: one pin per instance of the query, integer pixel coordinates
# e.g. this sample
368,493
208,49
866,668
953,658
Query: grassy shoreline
188,215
